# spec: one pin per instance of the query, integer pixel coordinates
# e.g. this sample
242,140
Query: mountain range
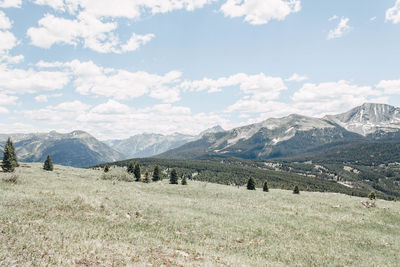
289,136
78,148
295,135
150,144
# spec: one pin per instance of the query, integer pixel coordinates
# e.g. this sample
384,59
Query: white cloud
112,107
92,26
3,110
125,8
45,98
55,4
41,98
390,86
7,39
10,3
393,13
5,22
340,30
7,100
334,17
61,114
7,42
87,30
113,119
88,78
75,106
260,11
297,78
167,109
272,108
136,41
333,97
259,85
19,81
11,59
312,100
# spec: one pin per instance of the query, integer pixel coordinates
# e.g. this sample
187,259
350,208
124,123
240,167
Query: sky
124,67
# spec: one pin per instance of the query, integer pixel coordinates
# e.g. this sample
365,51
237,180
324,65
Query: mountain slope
78,148
281,137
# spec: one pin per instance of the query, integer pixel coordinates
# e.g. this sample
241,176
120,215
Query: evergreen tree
296,189
251,184
106,168
184,180
147,177
131,167
156,174
265,187
48,165
13,153
372,195
173,178
136,171
9,157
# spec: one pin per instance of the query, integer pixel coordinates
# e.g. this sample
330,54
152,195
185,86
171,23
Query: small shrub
48,165
11,178
372,195
146,177
265,187
251,184
117,174
184,180
106,168
296,190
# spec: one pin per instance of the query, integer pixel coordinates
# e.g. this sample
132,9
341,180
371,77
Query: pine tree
265,187
156,174
296,189
251,184
173,178
184,180
136,171
106,168
146,177
14,155
9,157
372,195
48,165
131,167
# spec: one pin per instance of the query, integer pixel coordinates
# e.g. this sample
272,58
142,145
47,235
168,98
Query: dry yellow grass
73,217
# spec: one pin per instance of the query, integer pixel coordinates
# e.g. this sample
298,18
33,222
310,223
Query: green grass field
73,217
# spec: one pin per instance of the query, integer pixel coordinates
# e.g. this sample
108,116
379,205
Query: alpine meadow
199,133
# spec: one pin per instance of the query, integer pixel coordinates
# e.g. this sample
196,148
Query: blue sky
116,70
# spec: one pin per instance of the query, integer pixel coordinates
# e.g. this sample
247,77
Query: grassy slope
70,216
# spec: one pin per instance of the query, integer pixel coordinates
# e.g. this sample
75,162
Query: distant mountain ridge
149,144
78,148
295,134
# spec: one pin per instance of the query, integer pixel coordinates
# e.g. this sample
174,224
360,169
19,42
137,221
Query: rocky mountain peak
369,118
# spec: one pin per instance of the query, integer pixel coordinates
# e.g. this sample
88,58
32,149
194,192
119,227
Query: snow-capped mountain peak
369,118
